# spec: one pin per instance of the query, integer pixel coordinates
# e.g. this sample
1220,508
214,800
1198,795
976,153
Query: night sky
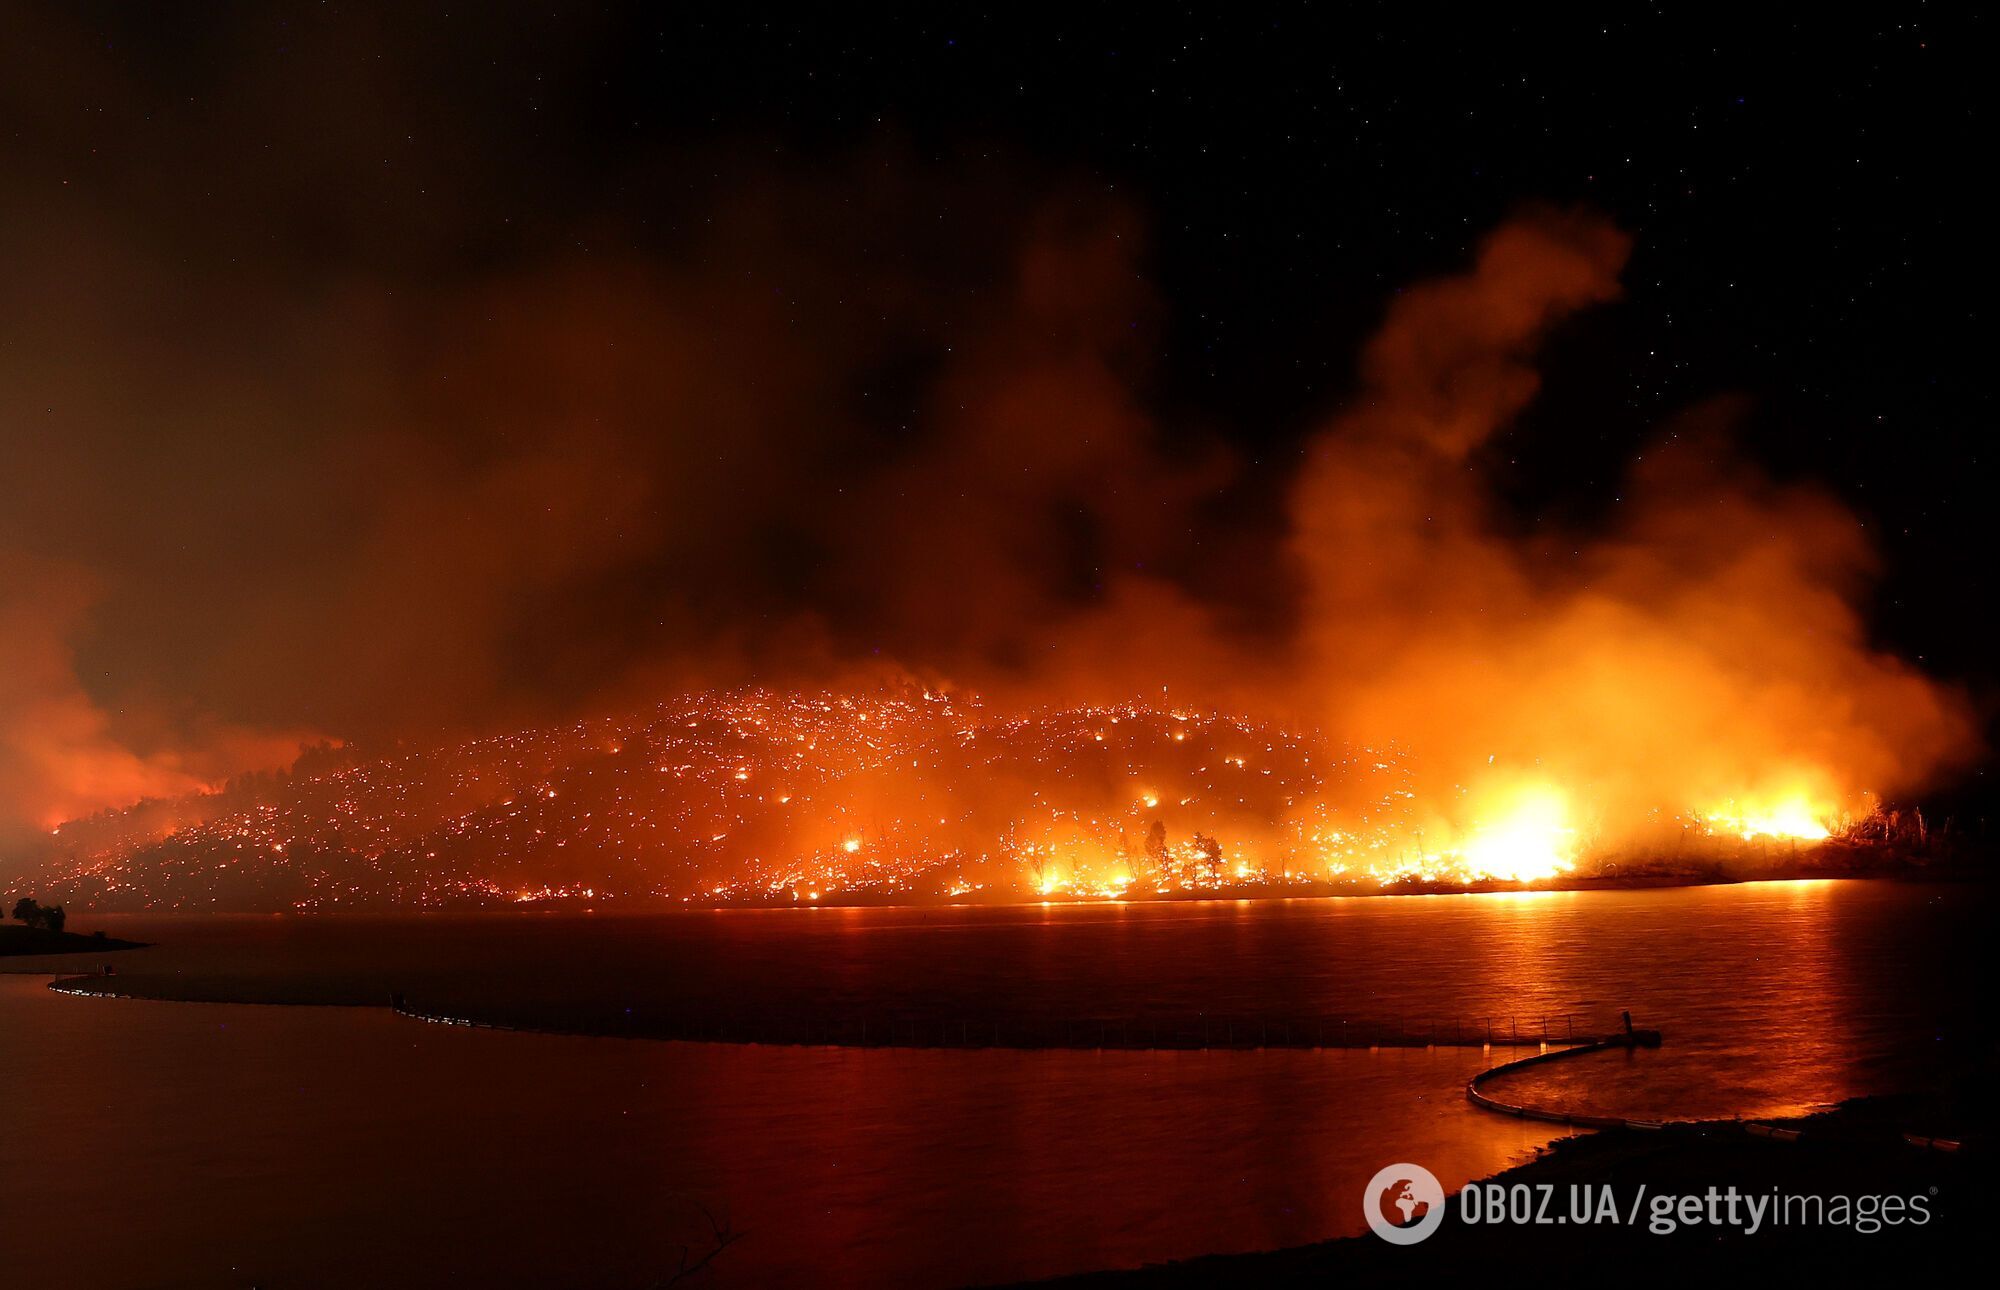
292,291
1801,195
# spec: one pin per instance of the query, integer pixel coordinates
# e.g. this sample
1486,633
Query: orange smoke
62,753
1704,657
579,489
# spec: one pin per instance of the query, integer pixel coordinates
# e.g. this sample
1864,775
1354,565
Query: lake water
156,1143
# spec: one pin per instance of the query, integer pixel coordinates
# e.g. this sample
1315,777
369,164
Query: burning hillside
1466,696
823,797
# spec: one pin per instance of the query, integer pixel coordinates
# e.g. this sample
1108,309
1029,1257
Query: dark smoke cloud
344,461
290,456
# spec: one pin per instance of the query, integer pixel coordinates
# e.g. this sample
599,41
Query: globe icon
1403,1203
1400,1204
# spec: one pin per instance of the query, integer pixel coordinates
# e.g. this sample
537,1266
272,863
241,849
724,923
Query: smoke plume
1703,654
889,413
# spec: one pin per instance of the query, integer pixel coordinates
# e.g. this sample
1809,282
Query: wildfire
1530,840
1673,691
890,798
1790,819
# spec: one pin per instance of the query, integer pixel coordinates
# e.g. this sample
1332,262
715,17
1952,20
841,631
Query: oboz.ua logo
1404,1204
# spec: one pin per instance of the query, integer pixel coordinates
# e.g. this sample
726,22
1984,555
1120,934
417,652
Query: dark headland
1856,1151
21,942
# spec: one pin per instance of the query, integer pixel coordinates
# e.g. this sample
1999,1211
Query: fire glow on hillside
1440,701
756,796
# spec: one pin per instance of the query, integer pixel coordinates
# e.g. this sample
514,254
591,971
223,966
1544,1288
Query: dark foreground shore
20,942
1854,1159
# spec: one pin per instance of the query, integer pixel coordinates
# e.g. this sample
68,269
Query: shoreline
1125,1024
1877,868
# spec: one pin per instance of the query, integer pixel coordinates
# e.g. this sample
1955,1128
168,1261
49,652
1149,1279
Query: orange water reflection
207,1143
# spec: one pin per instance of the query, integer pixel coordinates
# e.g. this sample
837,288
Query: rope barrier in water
1629,1040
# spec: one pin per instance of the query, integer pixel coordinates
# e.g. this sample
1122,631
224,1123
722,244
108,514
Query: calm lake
225,1143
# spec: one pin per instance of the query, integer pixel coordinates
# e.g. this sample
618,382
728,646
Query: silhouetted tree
32,912
1211,852
1156,844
